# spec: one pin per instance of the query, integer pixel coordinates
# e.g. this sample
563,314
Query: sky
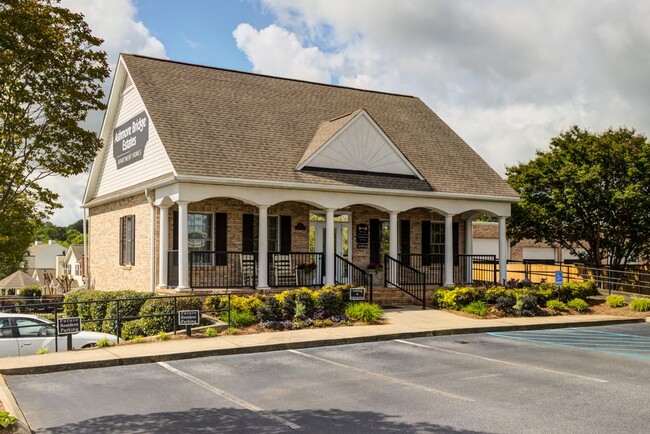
506,75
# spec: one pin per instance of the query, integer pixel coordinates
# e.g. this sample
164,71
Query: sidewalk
401,324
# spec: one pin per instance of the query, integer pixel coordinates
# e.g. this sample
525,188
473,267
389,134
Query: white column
183,249
392,246
449,251
163,237
469,248
263,248
329,246
503,251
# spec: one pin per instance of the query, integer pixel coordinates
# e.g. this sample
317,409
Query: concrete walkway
401,324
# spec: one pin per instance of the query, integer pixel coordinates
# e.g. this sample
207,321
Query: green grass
615,301
640,304
366,312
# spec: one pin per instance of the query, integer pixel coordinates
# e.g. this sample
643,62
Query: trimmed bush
271,311
578,304
163,311
477,308
580,290
128,308
556,306
640,304
366,312
31,291
328,303
615,301
131,329
506,303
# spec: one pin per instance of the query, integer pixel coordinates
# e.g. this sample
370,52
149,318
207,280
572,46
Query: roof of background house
229,124
36,248
78,250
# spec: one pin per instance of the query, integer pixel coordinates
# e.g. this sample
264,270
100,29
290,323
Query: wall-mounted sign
362,236
129,140
357,294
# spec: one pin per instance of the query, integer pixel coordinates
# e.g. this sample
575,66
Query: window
437,238
77,270
273,233
199,237
127,240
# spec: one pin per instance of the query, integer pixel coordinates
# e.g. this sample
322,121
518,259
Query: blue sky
506,75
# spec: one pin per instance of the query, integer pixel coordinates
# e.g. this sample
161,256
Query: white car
22,334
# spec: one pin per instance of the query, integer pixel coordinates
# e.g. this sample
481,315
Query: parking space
462,383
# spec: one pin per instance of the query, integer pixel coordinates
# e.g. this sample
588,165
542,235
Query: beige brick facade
106,273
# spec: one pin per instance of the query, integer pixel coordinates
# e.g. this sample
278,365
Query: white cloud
115,22
507,76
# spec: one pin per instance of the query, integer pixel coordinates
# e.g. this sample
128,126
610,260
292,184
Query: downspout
153,241
85,237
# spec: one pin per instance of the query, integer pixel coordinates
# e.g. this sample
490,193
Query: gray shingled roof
216,122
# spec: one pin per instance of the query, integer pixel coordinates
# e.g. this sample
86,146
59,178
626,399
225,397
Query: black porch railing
346,272
432,265
406,278
476,269
296,269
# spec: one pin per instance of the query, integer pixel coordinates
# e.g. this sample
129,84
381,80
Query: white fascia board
131,192
381,132
340,188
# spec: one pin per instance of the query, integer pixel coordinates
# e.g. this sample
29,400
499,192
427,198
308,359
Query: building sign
68,326
559,278
362,236
129,140
357,294
188,317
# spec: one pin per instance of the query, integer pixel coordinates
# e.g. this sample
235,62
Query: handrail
405,278
358,276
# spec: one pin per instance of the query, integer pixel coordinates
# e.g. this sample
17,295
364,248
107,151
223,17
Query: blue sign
559,278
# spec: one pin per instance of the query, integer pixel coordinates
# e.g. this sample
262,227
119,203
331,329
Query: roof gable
355,142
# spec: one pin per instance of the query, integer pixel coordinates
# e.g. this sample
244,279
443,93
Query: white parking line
383,377
228,396
505,362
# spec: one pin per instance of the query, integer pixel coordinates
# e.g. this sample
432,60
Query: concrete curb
7,398
302,344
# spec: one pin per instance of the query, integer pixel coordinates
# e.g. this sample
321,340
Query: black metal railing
346,272
432,265
222,269
406,278
476,270
296,269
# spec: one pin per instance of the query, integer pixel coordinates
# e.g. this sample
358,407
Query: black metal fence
346,272
296,269
122,311
406,278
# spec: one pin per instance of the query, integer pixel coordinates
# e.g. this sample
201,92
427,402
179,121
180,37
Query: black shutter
426,242
221,238
132,246
175,230
375,240
455,241
248,233
405,241
285,233
121,235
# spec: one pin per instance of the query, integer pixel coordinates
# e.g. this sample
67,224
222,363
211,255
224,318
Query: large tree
51,72
588,192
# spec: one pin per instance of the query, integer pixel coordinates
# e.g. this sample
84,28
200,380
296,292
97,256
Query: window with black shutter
375,240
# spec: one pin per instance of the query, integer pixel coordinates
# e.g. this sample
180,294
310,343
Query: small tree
590,192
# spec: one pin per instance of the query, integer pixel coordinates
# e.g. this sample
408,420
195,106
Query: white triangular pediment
360,145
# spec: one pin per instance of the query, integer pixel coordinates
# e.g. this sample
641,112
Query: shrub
306,298
506,303
131,330
579,289
527,306
241,319
288,305
216,302
104,342
31,291
478,308
43,350
271,311
6,419
128,308
248,304
578,304
640,304
543,292
556,306
162,311
492,294
211,333
162,336
615,301
466,295
328,303
366,312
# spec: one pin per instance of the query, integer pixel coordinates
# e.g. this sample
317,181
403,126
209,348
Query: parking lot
589,379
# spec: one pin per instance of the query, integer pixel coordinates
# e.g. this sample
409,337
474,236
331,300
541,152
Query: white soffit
361,145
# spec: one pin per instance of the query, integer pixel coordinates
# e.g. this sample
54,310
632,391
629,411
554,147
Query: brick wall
106,273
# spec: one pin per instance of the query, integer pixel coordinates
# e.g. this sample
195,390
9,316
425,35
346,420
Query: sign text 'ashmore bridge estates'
129,139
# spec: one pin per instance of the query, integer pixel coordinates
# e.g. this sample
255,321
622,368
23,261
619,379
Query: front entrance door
341,240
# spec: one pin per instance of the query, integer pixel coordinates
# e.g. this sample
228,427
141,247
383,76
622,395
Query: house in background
42,258
212,178
73,263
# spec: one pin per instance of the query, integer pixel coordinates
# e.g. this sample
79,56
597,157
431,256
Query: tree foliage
50,78
589,191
